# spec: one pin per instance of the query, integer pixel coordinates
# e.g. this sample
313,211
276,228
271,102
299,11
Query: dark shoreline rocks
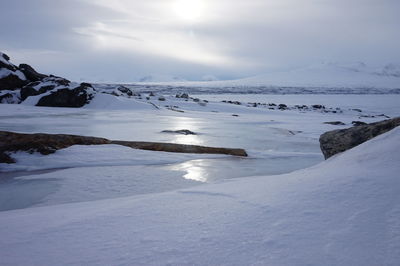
335,123
336,141
50,143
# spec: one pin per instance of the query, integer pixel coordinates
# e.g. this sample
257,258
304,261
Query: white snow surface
319,78
344,211
96,155
4,72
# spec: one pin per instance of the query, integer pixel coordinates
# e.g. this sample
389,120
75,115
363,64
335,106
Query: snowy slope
318,78
344,211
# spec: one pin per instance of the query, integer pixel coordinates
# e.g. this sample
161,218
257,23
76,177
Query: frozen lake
277,142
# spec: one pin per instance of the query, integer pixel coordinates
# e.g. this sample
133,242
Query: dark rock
85,84
161,98
28,91
318,106
358,123
180,131
46,88
335,123
282,107
183,95
77,97
196,100
125,90
357,110
7,65
11,82
50,143
31,73
6,57
337,141
5,158
42,86
152,94
62,81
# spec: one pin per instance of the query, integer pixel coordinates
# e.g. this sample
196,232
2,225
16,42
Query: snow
3,60
344,211
4,72
325,78
110,204
95,155
111,102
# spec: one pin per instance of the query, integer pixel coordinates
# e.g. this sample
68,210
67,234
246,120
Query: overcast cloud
123,40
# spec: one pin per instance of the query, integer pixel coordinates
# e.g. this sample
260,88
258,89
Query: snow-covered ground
325,78
277,141
344,211
110,204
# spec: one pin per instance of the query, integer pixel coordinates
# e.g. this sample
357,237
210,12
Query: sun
189,10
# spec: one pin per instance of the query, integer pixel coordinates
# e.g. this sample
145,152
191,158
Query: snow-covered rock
11,77
68,97
340,140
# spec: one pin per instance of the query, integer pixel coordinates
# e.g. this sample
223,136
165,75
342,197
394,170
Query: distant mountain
325,75
357,75
160,78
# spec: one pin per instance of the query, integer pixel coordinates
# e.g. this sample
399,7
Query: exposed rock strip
50,143
336,141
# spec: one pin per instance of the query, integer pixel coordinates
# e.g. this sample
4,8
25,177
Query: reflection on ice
194,170
179,123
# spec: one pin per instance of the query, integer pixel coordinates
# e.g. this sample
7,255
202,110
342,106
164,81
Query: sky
126,40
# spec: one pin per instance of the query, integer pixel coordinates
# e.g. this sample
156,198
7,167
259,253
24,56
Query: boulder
335,123
28,91
31,73
337,141
125,90
12,81
66,97
6,57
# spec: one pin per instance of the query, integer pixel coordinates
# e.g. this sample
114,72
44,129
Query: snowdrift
344,211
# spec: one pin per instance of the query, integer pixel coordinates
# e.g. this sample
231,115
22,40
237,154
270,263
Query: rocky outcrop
12,81
337,141
43,86
31,73
11,77
19,83
66,97
50,143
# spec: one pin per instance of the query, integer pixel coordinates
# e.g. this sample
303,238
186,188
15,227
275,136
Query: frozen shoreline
278,141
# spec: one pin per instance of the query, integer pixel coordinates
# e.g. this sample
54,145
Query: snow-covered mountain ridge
322,78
